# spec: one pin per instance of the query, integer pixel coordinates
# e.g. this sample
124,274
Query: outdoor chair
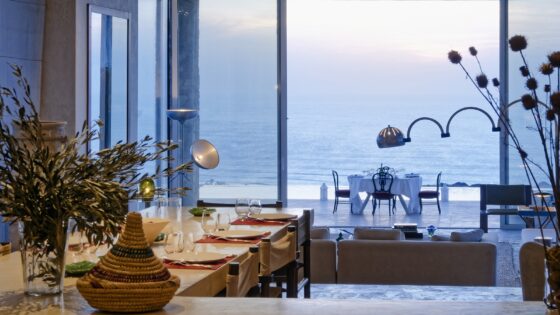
508,197
340,193
431,194
382,183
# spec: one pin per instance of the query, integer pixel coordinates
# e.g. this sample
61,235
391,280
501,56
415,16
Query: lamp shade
204,154
181,114
390,137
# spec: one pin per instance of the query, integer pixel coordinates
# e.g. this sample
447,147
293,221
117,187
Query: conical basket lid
130,259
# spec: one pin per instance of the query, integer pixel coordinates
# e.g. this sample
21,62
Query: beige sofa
394,260
531,264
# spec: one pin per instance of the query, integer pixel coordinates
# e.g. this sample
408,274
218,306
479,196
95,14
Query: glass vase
43,261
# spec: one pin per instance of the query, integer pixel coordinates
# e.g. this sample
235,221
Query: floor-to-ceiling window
537,21
152,73
355,67
238,97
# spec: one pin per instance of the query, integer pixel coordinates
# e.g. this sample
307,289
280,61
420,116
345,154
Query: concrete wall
65,58
21,41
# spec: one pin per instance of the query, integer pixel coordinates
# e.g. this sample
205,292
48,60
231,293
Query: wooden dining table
194,282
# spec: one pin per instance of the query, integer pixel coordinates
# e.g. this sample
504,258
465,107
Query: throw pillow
470,236
322,233
439,238
378,234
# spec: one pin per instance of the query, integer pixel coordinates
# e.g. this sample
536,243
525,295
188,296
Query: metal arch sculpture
443,134
494,127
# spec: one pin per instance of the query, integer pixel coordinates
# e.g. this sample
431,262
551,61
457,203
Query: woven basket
129,278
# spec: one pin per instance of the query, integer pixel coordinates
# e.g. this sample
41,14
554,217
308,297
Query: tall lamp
203,153
390,137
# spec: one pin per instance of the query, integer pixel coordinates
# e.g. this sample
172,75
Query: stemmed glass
255,207
242,208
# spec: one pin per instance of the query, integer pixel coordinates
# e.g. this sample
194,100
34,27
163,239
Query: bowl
152,227
198,211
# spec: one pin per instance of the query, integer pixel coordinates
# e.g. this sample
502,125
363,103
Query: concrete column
188,87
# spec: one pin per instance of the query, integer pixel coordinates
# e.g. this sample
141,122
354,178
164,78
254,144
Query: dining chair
507,197
243,277
303,255
382,183
277,261
340,193
431,194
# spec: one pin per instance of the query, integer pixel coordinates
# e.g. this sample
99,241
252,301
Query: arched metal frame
446,133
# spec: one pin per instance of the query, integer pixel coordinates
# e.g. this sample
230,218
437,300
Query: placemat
206,266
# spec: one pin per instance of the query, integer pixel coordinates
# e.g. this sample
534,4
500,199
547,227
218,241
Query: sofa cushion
378,234
320,233
440,238
416,262
470,236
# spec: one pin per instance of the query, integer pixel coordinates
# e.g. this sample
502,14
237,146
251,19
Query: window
355,67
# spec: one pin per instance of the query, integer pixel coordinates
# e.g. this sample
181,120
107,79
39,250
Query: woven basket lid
130,260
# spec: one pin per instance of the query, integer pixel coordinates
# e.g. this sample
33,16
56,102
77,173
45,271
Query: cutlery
264,220
185,263
232,239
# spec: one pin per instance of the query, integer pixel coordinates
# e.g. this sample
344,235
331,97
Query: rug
507,274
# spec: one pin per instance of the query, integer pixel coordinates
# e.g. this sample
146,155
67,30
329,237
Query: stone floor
455,215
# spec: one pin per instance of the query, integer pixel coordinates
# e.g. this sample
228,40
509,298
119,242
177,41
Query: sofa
378,256
531,264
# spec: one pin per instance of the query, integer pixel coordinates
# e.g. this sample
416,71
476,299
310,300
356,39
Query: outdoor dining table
194,282
408,186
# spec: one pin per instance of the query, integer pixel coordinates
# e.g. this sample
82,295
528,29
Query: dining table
403,186
195,281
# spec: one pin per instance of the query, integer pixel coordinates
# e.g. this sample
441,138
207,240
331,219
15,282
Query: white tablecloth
407,186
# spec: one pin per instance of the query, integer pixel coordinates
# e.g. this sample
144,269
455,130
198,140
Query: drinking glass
242,208
223,222
255,207
190,243
170,208
208,222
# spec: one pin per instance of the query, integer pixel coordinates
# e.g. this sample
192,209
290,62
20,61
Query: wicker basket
129,278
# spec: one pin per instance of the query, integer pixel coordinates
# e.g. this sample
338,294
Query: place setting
249,213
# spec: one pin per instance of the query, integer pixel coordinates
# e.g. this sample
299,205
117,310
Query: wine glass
208,222
242,208
171,208
223,222
255,207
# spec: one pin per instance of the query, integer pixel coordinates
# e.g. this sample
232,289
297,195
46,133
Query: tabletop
194,282
71,303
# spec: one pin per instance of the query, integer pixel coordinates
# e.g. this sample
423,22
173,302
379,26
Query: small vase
43,262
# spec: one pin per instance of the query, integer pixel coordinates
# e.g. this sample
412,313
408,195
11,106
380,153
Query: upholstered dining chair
382,183
340,193
278,261
431,194
243,277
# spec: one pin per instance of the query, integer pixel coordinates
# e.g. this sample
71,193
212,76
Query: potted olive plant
43,188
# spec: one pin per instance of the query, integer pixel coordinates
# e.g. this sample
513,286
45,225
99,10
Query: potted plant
543,104
51,190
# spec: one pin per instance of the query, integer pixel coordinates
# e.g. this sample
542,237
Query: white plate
274,216
196,258
239,234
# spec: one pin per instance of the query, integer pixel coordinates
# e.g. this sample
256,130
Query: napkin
215,240
206,266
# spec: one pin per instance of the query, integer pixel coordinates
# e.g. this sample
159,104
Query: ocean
342,137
